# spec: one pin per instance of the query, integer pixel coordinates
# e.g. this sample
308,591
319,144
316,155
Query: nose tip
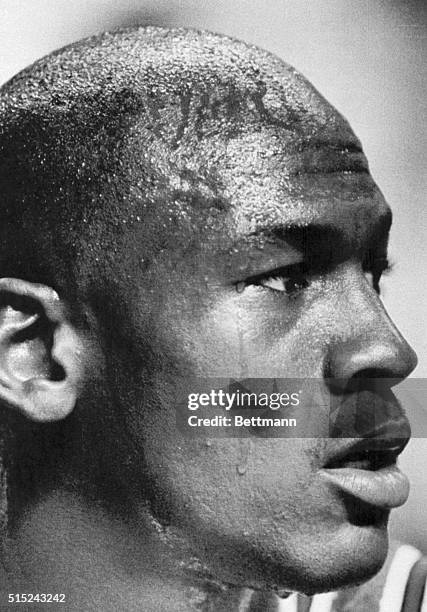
367,341
373,357
410,361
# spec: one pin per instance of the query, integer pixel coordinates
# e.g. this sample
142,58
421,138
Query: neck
64,545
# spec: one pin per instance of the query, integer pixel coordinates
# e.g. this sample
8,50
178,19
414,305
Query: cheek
229,487
224,339
257,334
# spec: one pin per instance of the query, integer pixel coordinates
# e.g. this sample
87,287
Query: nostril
372,381
374,373
57,372
373,377
377,380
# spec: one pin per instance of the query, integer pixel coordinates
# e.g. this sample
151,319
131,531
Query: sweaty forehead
161,116
271,182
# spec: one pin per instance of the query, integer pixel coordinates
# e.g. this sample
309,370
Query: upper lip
390,439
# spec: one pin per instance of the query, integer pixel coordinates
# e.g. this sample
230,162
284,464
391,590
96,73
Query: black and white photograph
213,295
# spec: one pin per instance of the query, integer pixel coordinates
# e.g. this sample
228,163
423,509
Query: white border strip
395,584
289,604
424,604
323,602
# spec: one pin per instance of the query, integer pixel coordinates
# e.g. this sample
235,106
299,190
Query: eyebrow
321,244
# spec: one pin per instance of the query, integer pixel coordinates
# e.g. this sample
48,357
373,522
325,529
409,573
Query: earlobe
40,352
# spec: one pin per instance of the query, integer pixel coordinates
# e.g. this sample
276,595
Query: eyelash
378,268
296,276
293,277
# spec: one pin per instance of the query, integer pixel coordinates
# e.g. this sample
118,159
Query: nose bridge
368,340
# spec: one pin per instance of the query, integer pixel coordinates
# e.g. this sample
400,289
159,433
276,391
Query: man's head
145,176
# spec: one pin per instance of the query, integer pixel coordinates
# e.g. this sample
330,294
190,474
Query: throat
62,542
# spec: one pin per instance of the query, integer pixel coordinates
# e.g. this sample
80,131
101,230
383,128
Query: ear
41,367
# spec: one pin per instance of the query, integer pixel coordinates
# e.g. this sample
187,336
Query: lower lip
386,488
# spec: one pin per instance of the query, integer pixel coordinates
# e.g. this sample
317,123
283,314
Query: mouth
366,468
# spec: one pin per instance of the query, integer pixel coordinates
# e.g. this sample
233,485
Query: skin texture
145,176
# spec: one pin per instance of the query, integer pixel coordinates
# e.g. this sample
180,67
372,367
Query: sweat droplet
240,287
242,466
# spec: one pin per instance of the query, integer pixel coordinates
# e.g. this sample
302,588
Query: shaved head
118,129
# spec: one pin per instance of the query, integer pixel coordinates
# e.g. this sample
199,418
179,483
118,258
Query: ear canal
40,352
25,345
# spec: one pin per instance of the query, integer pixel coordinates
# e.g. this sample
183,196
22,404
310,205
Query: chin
322,562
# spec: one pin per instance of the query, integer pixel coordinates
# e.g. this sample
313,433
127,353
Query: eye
290,280
287,284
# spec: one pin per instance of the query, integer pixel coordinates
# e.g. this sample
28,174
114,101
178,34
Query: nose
369,344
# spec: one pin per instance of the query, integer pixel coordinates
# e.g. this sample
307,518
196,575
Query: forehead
271,179
205,118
